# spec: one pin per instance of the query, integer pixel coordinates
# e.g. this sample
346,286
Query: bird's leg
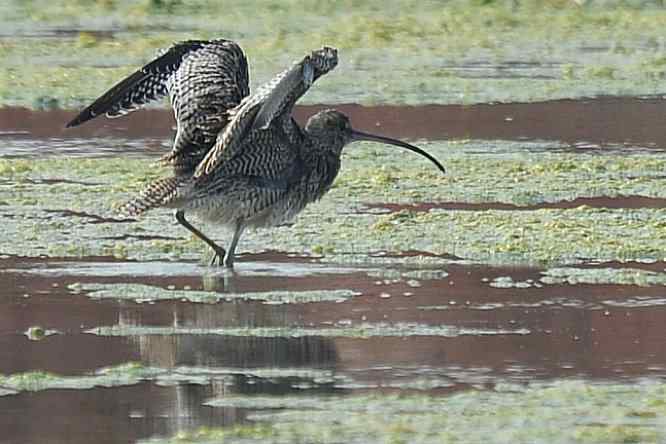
229,258
220,253
218,257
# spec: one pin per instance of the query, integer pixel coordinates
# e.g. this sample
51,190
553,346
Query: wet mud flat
522,293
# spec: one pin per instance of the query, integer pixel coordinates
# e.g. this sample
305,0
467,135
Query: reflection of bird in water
238,159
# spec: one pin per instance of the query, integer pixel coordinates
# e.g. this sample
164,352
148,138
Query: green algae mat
66,208
566,412
65,53
557,411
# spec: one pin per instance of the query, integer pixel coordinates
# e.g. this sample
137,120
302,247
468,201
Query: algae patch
508,282
132,373
41,219
636,302
532,237
111,377
589,276
37,333
555,412
147,293
364,330
612,276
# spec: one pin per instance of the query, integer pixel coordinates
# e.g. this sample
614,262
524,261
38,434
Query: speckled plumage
204,80
239,160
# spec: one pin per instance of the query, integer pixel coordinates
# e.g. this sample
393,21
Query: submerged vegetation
554,412
365,330
62,54
148,293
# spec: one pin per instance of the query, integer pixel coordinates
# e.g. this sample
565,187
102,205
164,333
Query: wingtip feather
76,121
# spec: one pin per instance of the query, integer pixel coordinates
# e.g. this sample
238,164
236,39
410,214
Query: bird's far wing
149,83
209,83
272,101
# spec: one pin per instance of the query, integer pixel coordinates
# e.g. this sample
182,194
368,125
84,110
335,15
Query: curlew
239,160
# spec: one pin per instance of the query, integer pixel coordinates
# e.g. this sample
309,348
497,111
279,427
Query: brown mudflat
594,202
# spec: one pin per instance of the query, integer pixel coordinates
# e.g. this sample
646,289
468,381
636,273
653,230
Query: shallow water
112,330
608,123
566,331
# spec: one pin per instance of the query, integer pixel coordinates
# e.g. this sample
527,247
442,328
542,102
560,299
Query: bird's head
323,60
334,130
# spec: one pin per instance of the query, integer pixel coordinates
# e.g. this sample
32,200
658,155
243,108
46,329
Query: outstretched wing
143,86
271,103
209,83
204,79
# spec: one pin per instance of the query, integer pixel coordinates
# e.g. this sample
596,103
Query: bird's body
238,160
270,182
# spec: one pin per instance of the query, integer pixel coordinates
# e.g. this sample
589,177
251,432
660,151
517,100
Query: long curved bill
358,135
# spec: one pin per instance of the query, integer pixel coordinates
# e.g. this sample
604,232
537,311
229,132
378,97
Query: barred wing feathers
270,103
204,79
143,86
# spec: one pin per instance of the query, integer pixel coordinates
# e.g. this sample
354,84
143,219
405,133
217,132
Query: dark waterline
628,202
599,122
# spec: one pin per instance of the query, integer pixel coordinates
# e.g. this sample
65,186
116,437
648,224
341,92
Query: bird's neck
320,150
321,164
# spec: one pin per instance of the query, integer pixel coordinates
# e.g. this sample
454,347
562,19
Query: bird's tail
158,193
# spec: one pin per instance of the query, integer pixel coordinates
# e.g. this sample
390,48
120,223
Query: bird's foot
219,257
229,261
